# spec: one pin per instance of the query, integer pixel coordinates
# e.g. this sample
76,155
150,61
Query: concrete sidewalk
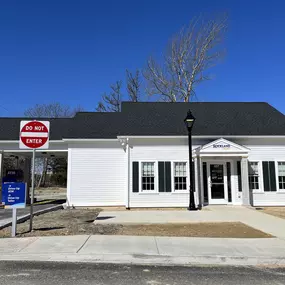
212,214
145,250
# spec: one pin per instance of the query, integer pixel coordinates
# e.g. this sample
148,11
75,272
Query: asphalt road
31,273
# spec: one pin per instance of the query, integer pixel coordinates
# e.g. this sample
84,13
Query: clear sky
72,50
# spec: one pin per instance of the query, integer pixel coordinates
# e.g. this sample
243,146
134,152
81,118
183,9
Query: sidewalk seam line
156,245
37,238
83,244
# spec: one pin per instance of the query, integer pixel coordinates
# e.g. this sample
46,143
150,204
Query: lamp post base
192,208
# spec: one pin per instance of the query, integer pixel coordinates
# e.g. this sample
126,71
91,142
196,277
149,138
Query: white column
196,179
69,173
128,175
201,184
244,182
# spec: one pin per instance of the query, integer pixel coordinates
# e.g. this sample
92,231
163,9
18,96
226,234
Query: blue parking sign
14,195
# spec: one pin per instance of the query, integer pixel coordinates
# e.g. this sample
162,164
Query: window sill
147,193
180,192
269,192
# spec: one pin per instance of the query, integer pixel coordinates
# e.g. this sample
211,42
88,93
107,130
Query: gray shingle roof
10,128
159,118
212,118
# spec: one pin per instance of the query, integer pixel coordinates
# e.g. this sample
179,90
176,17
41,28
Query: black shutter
161,176
168,176
229,181
193,176
272,176
164,176
269,179
135,176
265,176
239,176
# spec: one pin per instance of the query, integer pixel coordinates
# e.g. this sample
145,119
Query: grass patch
274,211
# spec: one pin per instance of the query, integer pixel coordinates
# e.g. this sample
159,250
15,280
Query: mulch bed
80,221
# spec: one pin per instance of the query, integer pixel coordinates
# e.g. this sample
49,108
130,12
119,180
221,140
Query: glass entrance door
217,183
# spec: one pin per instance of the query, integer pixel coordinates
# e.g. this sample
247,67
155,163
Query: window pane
253,175
180,176
281,175
147,175
253,168
281,168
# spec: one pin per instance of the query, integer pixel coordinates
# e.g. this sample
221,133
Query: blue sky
71,51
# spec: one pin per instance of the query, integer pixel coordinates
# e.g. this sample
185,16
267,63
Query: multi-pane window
180,176
253,175
281,175
147,174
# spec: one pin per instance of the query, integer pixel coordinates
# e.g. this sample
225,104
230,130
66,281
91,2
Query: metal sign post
34,135
14,222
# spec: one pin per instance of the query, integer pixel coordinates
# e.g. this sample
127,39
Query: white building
139,157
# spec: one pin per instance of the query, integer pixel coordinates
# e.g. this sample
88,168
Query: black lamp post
189,122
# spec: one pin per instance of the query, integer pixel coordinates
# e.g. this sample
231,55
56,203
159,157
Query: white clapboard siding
268,153
269,199
161,150
97,175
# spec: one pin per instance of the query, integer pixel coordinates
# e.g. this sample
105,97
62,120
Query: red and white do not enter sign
34,134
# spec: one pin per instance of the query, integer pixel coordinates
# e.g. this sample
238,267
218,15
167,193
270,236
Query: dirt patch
215,230
274,211
80,221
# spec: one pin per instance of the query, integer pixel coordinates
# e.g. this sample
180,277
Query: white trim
209,150
277,176
200,137
128,174
173,191
155,177
211,201
260,181
68,186
90,140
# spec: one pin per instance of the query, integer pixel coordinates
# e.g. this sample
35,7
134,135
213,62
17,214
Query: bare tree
189,55
111,102
52,110
133,85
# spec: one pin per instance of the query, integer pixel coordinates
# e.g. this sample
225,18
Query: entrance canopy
221,147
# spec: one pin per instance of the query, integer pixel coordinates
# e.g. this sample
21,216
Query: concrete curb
148,259
27,216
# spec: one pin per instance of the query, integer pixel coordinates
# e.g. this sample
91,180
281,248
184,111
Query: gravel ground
80,221
274,211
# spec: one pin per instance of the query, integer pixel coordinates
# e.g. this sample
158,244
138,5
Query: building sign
14,195
222,146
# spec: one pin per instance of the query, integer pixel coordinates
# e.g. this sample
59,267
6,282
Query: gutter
199,137
90,140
